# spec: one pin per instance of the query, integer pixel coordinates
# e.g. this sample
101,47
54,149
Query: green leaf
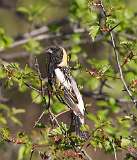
5,41
93,30
107,145
23,10
102,103
21,152
17,111
125,142
33,47
81,3
36,97
24,152
92,83
58,107
3,120
4,107
111,130
92,117
112,101
16,120
61,130
84,128
5,133
76,49
2,73
76,38
32,11
102,114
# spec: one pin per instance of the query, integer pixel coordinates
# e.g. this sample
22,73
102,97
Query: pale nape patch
64,61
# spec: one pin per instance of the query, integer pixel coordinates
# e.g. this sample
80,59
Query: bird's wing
78,95
71,94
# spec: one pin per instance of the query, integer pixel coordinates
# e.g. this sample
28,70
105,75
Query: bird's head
58,56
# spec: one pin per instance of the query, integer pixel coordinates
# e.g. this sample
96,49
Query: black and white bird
64,85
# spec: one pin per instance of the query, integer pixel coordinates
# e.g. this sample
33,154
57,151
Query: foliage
109,78
5,41
33,12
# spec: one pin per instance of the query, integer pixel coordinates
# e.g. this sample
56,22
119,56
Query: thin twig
40,117
120,69
53,117
42,91
102,84
102,37
114,148
31,87
39,74
86,155
41,81
84,147
32,151
49,97
60,114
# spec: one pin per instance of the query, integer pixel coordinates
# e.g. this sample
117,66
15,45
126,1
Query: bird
64,85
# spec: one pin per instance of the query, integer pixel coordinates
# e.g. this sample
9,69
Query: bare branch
43,37
36,32
31,87
86,155
53,118
60,114
23,54
114,148
40,77
38,120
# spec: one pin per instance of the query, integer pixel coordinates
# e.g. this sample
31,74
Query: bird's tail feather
78,130
75,126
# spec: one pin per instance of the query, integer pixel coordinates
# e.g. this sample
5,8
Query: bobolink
60,79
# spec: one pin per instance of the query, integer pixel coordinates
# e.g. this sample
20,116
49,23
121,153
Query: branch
36,32
39,118
60,114
31,87
13,55
102,96
10,56
53,117
86,155
40,77
40,37
116,54
120,70
114,148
